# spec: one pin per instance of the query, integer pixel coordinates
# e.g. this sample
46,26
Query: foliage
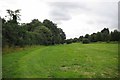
103,36
93,37
33,33
45,33
85,41
69,41
58,36
13,15
115,35
81,38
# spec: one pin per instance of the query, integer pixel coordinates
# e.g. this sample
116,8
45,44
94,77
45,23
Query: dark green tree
88,37
62,35
80,38
75,39
115,36
85,41
14,15
33,24
44,35
105,34
33,33
56,33
99,36
93,37
69,41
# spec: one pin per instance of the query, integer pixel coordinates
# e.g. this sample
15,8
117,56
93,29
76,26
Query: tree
105,34
69,41
44,35
115,35
85,41
4,39
75,40
62,35
80,38
11,29
99,36
14,15
57,34
88,37
33,33
93,37
33,24
10,33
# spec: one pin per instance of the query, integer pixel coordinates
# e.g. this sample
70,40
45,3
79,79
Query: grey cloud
62,10
60,15
105,11
68,5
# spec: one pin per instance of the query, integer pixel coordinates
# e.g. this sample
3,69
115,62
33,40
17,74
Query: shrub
85,41
69,41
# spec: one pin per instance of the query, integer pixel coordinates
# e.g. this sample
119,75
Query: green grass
95,60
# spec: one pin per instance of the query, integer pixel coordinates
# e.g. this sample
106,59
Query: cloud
75,17
62,11
80,17
60,15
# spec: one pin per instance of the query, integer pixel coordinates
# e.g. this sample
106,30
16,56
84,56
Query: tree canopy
104,35
45,33
33,33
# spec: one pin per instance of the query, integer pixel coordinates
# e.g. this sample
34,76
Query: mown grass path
74,60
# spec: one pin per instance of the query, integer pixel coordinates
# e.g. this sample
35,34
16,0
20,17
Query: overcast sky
75,17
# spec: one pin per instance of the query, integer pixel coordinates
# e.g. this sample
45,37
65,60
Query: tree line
45,33
33,33
103,36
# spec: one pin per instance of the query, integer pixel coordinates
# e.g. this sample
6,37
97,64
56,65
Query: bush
69,41
85,41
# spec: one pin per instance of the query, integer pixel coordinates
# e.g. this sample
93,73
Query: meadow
76,60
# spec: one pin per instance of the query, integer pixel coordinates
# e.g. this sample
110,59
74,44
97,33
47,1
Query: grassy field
95,60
